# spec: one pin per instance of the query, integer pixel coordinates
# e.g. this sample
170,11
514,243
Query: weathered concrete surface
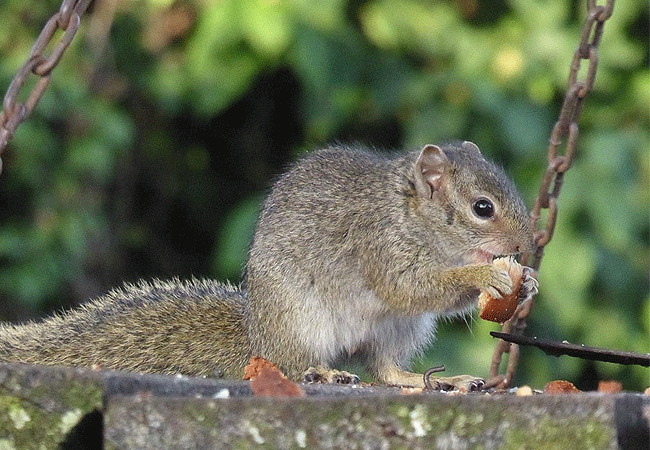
39,407
381,422
53,407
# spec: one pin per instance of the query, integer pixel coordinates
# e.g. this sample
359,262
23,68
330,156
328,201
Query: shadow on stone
88,434
632,424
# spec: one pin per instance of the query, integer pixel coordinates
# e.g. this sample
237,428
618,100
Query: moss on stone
37,413
555,435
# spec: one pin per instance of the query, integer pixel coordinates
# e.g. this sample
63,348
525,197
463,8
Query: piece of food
524,391
270,382
560,387
609,386
501,309
255,366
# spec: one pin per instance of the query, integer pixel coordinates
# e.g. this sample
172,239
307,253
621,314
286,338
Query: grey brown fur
354,252
191,327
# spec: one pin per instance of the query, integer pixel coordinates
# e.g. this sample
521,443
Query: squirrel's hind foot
397,377
321,374
465,383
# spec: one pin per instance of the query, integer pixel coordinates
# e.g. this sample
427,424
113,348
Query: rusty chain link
566,127
67,19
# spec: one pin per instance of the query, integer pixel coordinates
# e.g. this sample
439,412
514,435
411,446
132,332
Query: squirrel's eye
483,208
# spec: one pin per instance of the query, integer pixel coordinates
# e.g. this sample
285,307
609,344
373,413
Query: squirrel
354,253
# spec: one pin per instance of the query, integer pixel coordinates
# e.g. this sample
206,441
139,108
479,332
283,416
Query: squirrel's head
477,205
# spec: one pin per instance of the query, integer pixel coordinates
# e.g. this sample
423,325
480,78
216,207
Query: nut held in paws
501,309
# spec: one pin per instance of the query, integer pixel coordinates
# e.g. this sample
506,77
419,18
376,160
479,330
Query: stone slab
40,407
430,421
66,408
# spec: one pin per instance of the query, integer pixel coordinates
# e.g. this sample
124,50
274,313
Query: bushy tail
193,327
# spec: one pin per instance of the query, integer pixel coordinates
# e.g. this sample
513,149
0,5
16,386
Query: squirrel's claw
466,383
529,285
321,374
499,284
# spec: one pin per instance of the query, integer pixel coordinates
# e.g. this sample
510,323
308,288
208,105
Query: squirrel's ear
467,145
428,170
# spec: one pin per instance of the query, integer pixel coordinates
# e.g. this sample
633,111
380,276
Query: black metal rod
555,348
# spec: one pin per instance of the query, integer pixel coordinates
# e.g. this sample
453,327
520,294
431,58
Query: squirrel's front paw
322,374
529,284
495,282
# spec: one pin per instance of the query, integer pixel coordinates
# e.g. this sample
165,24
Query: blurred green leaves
235,237
165,120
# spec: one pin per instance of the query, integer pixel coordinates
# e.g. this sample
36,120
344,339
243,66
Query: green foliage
235,237
164,122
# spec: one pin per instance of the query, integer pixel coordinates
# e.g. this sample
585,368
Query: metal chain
67,19
566,127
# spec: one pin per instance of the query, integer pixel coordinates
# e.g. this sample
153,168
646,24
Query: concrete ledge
53,407
40,407
392,421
